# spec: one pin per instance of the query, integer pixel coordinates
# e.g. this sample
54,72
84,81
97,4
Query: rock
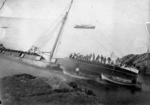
25,76
73,84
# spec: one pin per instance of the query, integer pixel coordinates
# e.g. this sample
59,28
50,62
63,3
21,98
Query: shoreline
10,68
24,88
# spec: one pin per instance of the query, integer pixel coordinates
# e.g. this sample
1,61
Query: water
117,95
112,95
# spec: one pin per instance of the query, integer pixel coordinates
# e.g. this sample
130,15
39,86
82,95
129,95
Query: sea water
113,95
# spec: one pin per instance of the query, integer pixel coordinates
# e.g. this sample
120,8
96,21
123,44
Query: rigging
3,4
44,39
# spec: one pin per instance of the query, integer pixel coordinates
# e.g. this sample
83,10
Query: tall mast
148,36
60,31
2,4
148,28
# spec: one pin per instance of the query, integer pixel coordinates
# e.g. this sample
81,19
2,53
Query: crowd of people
94,58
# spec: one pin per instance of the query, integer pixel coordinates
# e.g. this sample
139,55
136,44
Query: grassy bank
25,89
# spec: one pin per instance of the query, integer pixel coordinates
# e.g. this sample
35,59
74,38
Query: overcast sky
120,25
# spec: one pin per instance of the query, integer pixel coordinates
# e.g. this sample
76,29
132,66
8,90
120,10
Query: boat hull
31,59
94,69
131,85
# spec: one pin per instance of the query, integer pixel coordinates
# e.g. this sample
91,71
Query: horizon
110,34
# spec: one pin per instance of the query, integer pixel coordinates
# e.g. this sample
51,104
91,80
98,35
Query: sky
120,26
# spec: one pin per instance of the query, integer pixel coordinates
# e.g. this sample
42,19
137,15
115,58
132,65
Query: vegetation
25,89
141,62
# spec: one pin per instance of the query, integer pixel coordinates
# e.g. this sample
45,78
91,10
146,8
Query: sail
148,29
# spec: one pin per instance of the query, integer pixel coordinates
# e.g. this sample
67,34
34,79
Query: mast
60,31
2,4
148,28
148,35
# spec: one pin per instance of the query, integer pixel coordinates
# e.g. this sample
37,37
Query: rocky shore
140,61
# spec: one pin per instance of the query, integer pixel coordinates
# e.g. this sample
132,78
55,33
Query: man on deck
97,58
93,57
108,59
71,55
102,58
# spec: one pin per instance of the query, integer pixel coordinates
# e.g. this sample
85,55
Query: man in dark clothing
108,59
102,58
93,57
71,55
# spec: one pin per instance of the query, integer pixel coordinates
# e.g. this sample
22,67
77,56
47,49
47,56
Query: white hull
10,65
104,77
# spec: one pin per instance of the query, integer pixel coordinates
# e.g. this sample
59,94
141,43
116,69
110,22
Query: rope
3,4
83,49
96,41
117,49
43,38
47,39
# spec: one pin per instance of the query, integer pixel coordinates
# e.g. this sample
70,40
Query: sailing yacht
33,56
87,68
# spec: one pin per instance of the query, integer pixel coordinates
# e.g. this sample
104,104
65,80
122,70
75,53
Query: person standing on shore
77,70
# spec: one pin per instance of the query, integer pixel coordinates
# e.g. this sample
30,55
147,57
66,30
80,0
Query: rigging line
60,31
64,50
76,51
111,44
3,4
117,49
81,49
42,37
47,39
97,42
